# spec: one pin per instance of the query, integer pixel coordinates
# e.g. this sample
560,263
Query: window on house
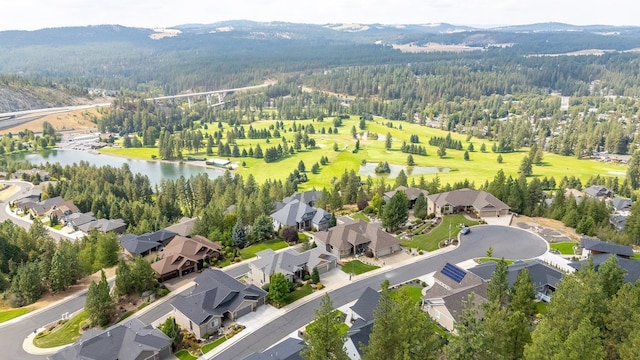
437,314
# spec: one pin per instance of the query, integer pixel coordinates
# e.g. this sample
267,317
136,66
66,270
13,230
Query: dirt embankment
550,224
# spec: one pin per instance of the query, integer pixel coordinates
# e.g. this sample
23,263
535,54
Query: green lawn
13,313
541,307
299,293
487,259
250,251
361,216
480,167
184,355
419,230
636,256
66,334
565,247
212,345
430,241
410,291
357,267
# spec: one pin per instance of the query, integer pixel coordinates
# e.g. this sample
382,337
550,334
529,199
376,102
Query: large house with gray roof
291,263
356,238
308,197
216,297
411,192
453,288
146,243
466,200
185,255
131,340
289,349
600,251
301,216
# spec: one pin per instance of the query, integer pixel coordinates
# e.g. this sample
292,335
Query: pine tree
499,158
396,212
239,235
124,278
172,330
278,289
466,156
315,275
410,161
323,339
99,304
420,207
483,148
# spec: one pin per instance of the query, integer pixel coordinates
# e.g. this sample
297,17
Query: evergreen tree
525,166
301,166
466,156
483,148
401,180
633,171
262,228
388,141
396,212
26,284
522,295
143,276
498,287
420,207
124,278
324,341
170,328
499,158
239,235
410,161
442,151
59,276
315,275
99,304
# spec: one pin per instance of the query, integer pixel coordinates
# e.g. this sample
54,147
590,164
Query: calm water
155,170
370,169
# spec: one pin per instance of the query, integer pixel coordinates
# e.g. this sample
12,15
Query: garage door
244,311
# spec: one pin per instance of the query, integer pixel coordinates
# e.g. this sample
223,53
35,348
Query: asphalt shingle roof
606,247
289,349
366,304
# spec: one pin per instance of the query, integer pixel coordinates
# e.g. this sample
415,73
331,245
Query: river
155,170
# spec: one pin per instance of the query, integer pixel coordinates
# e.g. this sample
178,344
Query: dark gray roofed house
618,221
621,204
365,305
185,255
543,277
307,197
215,298
358,337
78,219
33,194
117,226
301,216
629,266
135,246
132,340
598,191
357,236
595,246
289,349
466,200
411,192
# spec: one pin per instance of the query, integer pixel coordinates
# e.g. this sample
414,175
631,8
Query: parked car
465,230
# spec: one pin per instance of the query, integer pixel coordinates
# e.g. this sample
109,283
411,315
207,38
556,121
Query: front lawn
360,216
12,314
541,307
432,239
66,334
212,345
250,251
184,355
635,256
412,292
483,260
299,293
357,267
564,248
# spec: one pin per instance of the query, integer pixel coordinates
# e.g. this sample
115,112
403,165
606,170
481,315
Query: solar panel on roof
453,272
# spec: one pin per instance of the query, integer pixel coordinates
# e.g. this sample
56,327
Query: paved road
516,244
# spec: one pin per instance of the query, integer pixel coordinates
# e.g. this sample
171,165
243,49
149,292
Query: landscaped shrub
319,286
369,210
362,204
265,287
369,253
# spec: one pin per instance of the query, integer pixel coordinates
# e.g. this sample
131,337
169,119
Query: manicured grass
12,314
357,267
430,241
212,345
412,292
184,355
66,334
483,260
299,293
302,237
419,230
541,307
565,247
361,216
250,252
480,167
636,256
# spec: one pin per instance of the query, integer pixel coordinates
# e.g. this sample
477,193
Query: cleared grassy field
480,167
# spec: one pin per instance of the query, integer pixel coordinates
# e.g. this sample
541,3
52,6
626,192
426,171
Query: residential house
32,195
62,209
291,263
146,243
28,174
40,208
307,197
453,289
411,192
301,216
216,297
598,192
355,238
577,195
184,255
77,219
131,340
117,226
621,204
289,349
361,318
618,221
184,227
591,246
466,200
544,278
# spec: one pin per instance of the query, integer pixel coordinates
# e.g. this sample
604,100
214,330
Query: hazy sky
37,14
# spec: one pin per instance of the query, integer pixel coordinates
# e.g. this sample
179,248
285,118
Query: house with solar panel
453,290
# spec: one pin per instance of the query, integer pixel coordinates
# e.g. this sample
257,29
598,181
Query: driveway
507,242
